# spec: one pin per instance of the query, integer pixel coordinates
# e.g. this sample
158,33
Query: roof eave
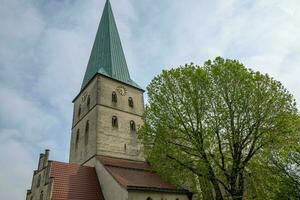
153,189
99,74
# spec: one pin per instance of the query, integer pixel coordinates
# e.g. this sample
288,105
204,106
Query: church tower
106,158
108,109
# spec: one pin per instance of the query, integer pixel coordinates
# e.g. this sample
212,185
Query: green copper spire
107,56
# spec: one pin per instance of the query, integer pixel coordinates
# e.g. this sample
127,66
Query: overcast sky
45,47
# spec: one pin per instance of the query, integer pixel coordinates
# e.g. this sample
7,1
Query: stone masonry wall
41,182
84,149
104,139
119,142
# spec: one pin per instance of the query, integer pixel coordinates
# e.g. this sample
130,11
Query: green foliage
213,128
288,169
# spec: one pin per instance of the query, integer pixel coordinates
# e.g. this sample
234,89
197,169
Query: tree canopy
214,128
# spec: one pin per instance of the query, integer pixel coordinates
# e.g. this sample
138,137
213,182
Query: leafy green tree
206,126
289,172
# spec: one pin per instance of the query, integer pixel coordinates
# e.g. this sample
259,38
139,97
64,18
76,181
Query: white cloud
264,35
16,167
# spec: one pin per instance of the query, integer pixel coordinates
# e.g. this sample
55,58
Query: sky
45,47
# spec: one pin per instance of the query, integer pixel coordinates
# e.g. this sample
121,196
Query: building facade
106,158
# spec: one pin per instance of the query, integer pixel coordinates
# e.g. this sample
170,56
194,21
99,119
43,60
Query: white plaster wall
156,196
110,187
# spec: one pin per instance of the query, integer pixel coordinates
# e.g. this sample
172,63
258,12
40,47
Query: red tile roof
136,175
73,181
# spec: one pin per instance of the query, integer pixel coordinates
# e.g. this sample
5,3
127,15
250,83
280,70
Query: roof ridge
65,163
109,35
126,159
133,168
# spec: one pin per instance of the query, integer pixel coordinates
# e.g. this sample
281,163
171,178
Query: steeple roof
107,56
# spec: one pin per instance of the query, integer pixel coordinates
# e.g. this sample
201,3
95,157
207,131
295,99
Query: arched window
79,111
114,97
149,198
88,102
42,195
86,134
38,183
77,139
114,121
132,126
130,102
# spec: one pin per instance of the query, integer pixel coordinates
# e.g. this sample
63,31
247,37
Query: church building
106,157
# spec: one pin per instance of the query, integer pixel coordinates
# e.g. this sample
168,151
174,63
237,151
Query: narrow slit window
79,111
132,126
88,103
114,97
42,195
38,183
115,122
130,102
87,128
77,139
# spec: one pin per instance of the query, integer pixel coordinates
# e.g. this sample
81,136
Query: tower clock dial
122,90
83,98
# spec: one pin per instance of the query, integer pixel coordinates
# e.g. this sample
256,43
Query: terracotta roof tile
135,174
138,178
76,182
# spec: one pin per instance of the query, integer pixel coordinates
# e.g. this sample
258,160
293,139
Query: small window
114,121
79,111
149,198
42,195
86,134
77,139
114,97
38,183
130,102
132,126
88,103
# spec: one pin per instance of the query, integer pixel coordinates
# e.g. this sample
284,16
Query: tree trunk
206,189
212,178
217,189
238,187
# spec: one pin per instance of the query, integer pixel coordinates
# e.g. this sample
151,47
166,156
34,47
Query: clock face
122,90
83,98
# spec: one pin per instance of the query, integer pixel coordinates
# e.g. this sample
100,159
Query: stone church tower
108,110
106,158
